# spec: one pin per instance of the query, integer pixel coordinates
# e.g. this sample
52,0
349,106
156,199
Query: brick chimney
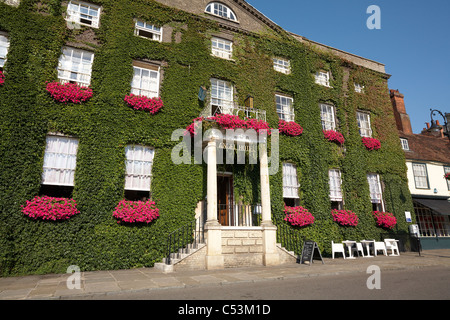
401,117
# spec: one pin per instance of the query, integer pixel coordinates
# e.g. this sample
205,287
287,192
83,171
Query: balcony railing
239,215
242,112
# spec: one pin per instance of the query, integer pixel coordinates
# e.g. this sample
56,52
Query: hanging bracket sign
310,249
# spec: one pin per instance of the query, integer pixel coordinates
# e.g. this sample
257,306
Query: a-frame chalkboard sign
308,252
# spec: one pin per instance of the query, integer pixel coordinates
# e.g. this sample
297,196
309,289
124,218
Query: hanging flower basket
334,136
298,216
152,105
371,143
290,128
2,78
385,219
68,92
50,208
447,176
345,217
136,211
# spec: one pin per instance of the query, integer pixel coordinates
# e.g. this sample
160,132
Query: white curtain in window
375,187
75,65
139,161
145,82
60,161
4,45
334,177
327,117
290,181
363,120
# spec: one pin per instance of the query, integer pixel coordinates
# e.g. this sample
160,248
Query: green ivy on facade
104,125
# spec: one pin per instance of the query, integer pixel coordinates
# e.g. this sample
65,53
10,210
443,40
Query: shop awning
441,206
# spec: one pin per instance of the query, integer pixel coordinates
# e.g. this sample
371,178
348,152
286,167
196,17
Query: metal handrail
190,233
288,237
238,110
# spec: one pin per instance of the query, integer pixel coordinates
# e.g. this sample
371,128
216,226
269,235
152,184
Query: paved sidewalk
95,283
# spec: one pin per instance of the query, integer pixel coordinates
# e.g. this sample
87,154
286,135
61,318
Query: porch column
213,230
270,253
211,209
265,186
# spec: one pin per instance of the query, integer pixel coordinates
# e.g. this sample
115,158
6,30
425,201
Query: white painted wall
435,178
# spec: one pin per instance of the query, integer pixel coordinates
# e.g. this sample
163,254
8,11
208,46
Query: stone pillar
213,230
270,253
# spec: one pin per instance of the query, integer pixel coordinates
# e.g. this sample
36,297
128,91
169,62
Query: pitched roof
427,148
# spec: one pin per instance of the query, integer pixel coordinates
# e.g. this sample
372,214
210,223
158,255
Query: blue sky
413,42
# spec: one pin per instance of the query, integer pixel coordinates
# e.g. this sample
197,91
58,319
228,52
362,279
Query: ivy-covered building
94,94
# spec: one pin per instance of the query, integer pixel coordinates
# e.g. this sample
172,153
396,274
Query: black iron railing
188,236
239,215
288,237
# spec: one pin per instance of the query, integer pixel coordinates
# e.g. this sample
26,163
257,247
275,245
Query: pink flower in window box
345,217
385,219
298,216
290,128
371,143
334,136
50,208
136,211
152,105
2,78
68,92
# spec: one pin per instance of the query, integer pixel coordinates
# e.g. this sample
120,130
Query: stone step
178,256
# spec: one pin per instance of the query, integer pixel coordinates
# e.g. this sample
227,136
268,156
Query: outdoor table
349,244
367,243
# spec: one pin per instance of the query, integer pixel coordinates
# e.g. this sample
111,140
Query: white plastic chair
337,247
391,244
379,245
359,248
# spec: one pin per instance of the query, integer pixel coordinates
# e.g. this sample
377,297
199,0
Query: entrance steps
239,255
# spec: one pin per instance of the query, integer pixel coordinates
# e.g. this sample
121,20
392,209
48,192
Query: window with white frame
221,96
4,46
285,110
83,13
221,48
282,65
75,66
60,159
139,162
323,78
145,80
363,121
447,170
221,10
327,117
290,184
359,88
405,144
420,175
335,181
147,30
376,195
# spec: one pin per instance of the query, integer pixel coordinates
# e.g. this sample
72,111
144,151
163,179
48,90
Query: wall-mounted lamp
437,127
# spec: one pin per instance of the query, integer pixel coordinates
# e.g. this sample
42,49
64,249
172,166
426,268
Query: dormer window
221,10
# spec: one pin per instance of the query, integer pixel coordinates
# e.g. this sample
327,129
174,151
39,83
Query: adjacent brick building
428,160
